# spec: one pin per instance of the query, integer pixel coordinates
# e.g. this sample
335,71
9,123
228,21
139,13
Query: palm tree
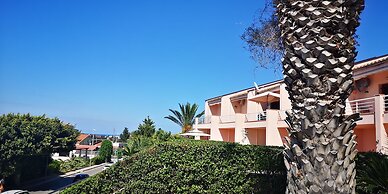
186,117
318,37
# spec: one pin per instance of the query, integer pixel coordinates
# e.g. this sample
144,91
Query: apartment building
256,115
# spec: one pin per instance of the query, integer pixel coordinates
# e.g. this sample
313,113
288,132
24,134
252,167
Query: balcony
227,118
253,117
205,120
364,106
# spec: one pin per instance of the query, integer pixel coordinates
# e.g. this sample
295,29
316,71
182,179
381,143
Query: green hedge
185,166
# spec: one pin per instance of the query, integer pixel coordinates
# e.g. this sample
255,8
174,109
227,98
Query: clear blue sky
109,64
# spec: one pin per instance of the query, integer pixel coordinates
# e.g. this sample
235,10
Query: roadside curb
72,173
81,170
63,175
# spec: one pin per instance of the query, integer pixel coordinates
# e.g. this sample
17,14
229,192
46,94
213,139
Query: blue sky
107,65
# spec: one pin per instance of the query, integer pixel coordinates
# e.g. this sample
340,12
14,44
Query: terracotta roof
88,147
81,137
370,62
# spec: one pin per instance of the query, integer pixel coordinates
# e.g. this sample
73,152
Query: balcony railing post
381,135
357,107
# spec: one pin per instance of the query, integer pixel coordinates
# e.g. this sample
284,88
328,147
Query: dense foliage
138,143
185,117
75,163
372,173
106,151
24,136
147,128
124,136
184,166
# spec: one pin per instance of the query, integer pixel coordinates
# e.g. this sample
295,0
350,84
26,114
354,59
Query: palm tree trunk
318,36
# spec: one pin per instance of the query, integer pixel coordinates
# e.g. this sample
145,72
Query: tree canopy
263,38
22,136
147,128
124,136
185,118
106,151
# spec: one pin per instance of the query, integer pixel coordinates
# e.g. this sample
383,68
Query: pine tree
147,128
125,135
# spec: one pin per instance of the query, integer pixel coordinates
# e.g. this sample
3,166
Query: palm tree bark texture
319,42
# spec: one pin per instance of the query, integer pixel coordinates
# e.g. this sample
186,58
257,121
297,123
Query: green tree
319,43
125,135
185,118
106,151
161,135
25,136
147,128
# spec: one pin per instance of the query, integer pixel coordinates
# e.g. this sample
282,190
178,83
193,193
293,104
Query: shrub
74,163
54,167
372,173
98,160
106,151
185,166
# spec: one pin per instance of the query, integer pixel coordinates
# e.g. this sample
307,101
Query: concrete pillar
239,128
381,135
285,103
215,133
272,136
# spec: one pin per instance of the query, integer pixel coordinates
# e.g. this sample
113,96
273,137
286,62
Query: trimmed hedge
184,166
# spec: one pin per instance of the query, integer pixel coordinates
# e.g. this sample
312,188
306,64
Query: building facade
256,115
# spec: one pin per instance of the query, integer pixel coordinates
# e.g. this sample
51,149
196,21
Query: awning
214,101
265,97
195,133
239,97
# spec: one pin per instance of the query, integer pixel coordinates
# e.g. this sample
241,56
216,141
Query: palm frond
186,115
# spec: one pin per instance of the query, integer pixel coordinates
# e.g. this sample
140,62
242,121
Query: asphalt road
59,182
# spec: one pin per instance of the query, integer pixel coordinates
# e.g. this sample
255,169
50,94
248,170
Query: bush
372,173
74,163
106,151
98,160
184,166
54,167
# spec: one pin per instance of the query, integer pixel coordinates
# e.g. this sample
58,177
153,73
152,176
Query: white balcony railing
363,106
204,120
228,119
260,116
385,102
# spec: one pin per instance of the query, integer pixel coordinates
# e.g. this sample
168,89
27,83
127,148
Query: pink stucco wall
283,133
366,138
256,136
215,110
227,134
376,80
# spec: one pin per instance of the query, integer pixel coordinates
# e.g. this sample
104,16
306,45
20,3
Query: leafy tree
137,143
147,128
319,43
25,136
161,135
106,151
125,135
186,117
